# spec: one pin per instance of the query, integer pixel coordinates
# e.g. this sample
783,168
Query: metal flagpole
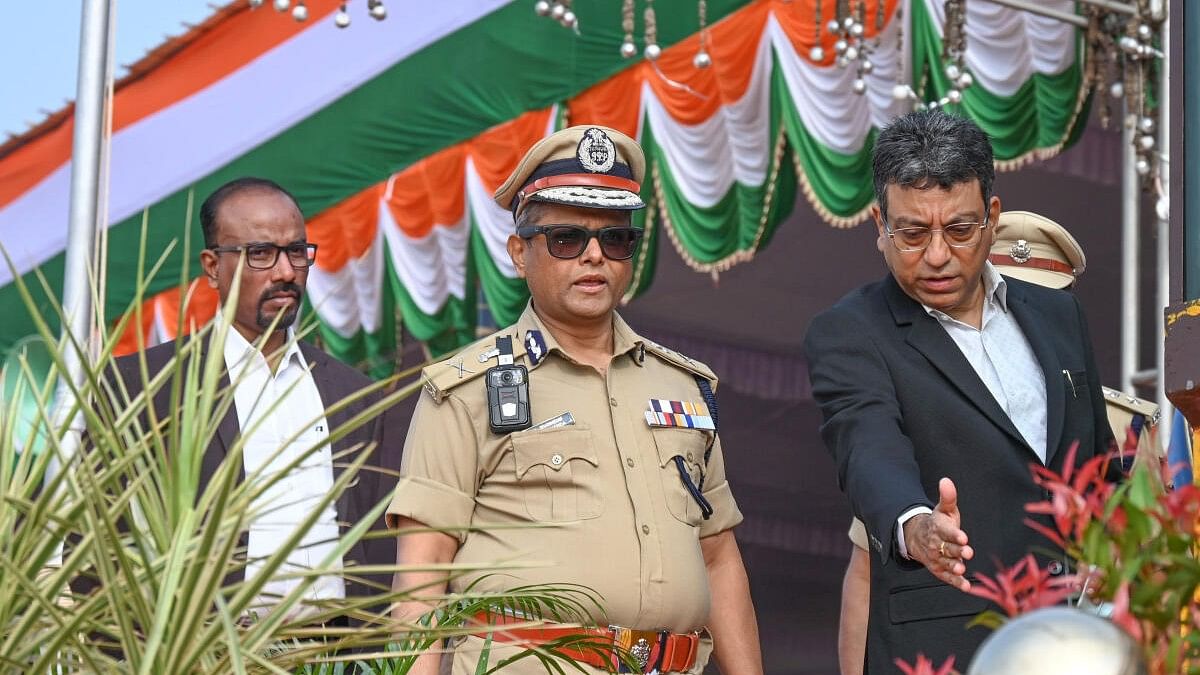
88,171
1163,213
1129,253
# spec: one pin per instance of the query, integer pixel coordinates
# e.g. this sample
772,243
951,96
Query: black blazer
334,381
903,407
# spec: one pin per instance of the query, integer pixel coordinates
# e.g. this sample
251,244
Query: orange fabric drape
799,21
428,193
162,311
495,152
347,229
227,41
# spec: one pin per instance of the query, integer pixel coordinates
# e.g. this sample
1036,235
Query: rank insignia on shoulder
442,377
681,361
535,346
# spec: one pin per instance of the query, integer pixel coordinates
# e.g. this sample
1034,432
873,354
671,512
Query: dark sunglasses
570,241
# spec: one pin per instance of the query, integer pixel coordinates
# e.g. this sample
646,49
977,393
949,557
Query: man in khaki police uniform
622,471
1032,248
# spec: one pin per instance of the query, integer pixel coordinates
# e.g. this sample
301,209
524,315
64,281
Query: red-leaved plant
1021,588
924,666
1134,545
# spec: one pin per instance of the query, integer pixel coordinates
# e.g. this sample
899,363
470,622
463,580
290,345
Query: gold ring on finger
942,550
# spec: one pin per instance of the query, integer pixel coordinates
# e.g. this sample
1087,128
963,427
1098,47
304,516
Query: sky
39,50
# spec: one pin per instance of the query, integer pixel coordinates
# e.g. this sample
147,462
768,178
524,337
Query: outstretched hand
937,541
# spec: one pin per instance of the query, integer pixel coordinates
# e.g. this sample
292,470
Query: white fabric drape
1005,46
494,223
823,97
350,299
705,159
431,268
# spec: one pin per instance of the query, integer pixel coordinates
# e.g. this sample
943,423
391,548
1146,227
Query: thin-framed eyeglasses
264,255
570,241
956,235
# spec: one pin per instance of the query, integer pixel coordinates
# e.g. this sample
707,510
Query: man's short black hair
930,147
212,205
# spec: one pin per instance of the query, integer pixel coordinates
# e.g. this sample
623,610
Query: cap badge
1020,252
596,151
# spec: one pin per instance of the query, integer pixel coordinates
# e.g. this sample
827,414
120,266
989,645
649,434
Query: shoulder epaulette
469,363
1132,404
675,358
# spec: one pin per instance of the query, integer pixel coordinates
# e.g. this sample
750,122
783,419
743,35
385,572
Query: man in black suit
254,232
939,386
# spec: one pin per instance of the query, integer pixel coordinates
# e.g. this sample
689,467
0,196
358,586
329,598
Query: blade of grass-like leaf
116,569
32,593
335,555
237,665
166,601
485,656
266,664
214,555
260,632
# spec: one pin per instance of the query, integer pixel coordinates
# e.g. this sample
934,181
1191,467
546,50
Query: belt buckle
640,645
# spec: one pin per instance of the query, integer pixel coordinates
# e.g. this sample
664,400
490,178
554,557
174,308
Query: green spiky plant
102,488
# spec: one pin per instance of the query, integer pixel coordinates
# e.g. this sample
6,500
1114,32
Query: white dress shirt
271,408
1000,354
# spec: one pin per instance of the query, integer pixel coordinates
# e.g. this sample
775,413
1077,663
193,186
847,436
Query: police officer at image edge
571,421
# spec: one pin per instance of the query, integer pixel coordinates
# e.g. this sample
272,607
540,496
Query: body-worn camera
507,392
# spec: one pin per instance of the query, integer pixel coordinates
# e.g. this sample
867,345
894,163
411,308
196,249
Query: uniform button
629,462
645,529
556,460
612,401
689,457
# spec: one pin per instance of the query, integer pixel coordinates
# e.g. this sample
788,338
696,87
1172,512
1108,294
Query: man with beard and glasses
572,447
254,234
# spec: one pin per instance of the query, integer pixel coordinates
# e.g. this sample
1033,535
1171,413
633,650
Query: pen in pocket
1071,383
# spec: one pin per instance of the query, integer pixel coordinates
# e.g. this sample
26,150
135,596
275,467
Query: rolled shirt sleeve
439,472
716,490
858,534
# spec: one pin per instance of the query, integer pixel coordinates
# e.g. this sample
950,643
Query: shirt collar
625,341
994,285
240,352
995,289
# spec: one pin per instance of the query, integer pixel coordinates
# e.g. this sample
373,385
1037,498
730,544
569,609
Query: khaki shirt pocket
557,474
689,444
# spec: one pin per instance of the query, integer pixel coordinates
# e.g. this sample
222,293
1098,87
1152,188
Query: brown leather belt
651,651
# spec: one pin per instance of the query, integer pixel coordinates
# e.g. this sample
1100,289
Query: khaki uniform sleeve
716,490
438,472
858,534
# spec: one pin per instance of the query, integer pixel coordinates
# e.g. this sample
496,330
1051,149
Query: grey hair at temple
930,148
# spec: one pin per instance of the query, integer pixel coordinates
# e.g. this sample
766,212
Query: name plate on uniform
564,420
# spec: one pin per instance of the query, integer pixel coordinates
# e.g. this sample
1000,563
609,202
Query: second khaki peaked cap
1033,248
587,166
